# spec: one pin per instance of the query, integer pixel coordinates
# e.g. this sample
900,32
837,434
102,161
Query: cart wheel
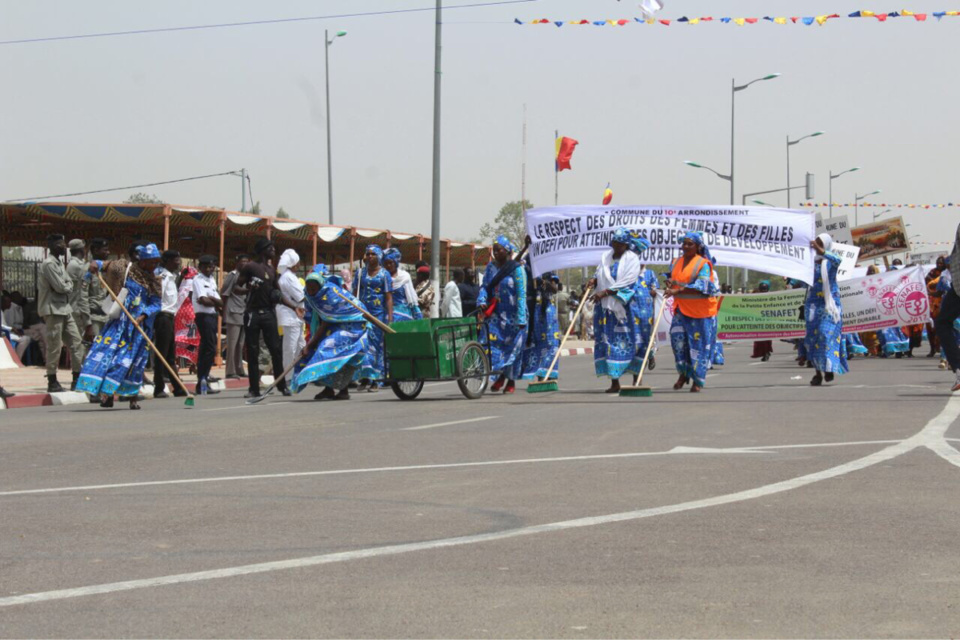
473,369
407,389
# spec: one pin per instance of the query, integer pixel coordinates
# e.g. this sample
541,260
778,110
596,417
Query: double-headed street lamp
884,212
856,204
834,177
733,104
790,143
326,61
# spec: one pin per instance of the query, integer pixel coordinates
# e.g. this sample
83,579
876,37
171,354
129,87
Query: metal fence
20,275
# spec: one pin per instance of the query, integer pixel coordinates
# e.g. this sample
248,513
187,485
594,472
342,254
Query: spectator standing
450,305
425,292
53,304
206,304
96,294
163,326
468,292
290,309
563,308
235,302
79,297
260,278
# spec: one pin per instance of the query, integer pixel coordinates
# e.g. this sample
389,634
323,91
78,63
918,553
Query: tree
255,210
143,198
282,214
509,222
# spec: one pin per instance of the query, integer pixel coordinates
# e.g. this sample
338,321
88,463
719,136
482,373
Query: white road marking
427,467
929,436
447,424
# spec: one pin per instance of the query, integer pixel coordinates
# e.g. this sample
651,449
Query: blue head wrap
336,279
320,269
621,235
637,243
697,237
764,282
376,250
504,242
148,252
393,254
314,276
550,275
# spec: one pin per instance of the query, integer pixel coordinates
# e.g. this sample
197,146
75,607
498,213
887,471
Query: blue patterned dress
717,346
372,292
507,326
692,339
403,308
645,287
617,342
892,340
339,356
118,357
826,348
855,344
545,339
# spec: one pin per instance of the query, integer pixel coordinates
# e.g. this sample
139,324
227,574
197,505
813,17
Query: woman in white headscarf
826,348
290,309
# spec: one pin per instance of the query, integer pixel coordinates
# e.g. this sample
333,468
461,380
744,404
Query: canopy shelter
195,231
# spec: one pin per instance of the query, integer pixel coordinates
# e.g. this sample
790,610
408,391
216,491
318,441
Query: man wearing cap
207,304
96,294
79,297
53,304
260,279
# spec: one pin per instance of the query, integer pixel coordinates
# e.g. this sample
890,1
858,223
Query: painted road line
929,437
429,467
448,424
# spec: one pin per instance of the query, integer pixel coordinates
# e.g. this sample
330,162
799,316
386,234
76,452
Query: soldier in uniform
53,304
79,297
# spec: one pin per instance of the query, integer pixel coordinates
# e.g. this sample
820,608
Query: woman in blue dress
893,342
405,303
118,357
374,287
617,331
338,339
646,295
544,339
693,333
826,348
505,289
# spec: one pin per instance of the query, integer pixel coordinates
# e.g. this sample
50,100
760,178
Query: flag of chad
607,194
565,147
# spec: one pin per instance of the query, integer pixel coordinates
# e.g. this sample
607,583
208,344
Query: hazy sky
89,114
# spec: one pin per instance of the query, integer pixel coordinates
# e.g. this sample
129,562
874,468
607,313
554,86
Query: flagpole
556,171
523,166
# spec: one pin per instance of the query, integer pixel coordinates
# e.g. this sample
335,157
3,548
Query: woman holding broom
617,326
505,289
693,332
338,338
646,293
118,357
374,287
544,338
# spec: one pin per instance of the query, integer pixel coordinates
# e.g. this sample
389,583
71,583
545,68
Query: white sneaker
943,364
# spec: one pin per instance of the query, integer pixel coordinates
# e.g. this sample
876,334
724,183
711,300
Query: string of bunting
884,205
801,20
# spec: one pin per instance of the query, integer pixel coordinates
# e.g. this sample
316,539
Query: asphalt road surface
761,507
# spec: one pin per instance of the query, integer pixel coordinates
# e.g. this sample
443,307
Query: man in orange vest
693,332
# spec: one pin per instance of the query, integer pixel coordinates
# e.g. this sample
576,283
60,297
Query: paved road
761,507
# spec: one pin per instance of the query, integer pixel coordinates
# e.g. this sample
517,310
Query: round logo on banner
912,303
887,301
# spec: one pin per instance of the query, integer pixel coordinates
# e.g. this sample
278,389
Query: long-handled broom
189,402
637,391
276,381
548,384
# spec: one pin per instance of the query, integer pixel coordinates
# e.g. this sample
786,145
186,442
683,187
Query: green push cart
433,350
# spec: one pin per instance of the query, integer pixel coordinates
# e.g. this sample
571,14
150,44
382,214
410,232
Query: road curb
586,351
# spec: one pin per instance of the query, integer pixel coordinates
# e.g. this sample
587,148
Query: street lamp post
790,143
834,177
884,212
856,205
327,41
733,105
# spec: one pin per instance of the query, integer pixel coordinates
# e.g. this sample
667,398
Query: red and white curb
585,351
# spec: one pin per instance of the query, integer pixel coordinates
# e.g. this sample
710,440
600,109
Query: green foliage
255,209
143,198
282,214
508,222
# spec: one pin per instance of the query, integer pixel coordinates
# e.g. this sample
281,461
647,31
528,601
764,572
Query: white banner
760,238
848,254
838,227
892,299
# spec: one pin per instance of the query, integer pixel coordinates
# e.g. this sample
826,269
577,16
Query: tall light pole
733,105
834,177
243,190
327,41
435,199
856,204
790,143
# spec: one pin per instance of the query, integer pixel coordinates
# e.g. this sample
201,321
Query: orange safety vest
693,307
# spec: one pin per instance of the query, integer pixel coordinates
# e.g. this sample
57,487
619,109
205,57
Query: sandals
681,381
